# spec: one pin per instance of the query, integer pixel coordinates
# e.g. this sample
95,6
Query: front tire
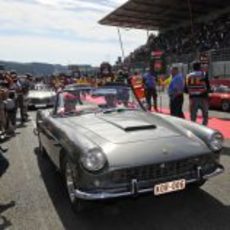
70,176
41,149
225,106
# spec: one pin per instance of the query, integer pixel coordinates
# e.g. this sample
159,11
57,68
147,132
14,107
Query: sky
62,32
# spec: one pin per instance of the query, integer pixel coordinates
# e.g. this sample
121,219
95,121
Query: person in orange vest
198,87
136,82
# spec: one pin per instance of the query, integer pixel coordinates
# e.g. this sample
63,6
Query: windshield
102,99
41,87
78,87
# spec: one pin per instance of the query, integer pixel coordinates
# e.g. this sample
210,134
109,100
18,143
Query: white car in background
41,96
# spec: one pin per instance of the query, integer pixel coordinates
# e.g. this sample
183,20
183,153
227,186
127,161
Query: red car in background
218,81
220,98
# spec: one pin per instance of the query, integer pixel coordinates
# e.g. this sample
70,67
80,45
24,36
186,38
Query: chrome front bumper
134,187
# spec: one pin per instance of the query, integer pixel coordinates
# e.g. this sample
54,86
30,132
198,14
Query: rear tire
70,177
225,106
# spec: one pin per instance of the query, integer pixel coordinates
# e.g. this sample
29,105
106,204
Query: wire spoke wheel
70,175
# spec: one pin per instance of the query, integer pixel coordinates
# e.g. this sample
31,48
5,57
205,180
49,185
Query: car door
53,141
47,136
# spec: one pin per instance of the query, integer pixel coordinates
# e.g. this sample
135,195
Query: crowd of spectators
13,92
214,34
97,79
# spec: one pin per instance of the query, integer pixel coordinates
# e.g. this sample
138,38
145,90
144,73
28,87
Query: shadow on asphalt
4,222
191,209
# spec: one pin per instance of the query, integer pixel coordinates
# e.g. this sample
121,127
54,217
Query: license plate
40,105
169,187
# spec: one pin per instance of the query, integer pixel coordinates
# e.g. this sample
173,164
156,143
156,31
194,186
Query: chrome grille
162,171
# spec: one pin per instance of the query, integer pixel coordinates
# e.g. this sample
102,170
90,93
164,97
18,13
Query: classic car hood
122,128
40,94
153,151
135,138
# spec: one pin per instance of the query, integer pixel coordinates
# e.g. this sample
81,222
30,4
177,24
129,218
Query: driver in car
111,101
70,100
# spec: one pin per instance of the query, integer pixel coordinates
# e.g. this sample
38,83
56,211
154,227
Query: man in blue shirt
149,83
175,92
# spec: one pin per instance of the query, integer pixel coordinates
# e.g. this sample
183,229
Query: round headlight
94,160
216,141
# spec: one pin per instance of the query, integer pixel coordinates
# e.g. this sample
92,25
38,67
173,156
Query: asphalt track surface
32,196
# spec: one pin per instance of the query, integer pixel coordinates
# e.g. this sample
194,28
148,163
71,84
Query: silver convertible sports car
107,146
41,96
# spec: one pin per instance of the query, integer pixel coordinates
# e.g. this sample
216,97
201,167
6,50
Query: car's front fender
202,132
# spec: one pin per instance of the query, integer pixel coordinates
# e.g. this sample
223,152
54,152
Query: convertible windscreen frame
109,86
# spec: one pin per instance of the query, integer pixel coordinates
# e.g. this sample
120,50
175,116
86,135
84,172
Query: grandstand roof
161,14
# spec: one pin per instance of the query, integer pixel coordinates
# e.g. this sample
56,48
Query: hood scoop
130,125
139,128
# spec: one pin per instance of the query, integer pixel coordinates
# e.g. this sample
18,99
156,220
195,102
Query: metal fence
219,62
220,55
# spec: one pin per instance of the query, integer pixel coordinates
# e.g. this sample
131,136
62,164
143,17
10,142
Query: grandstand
187,29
